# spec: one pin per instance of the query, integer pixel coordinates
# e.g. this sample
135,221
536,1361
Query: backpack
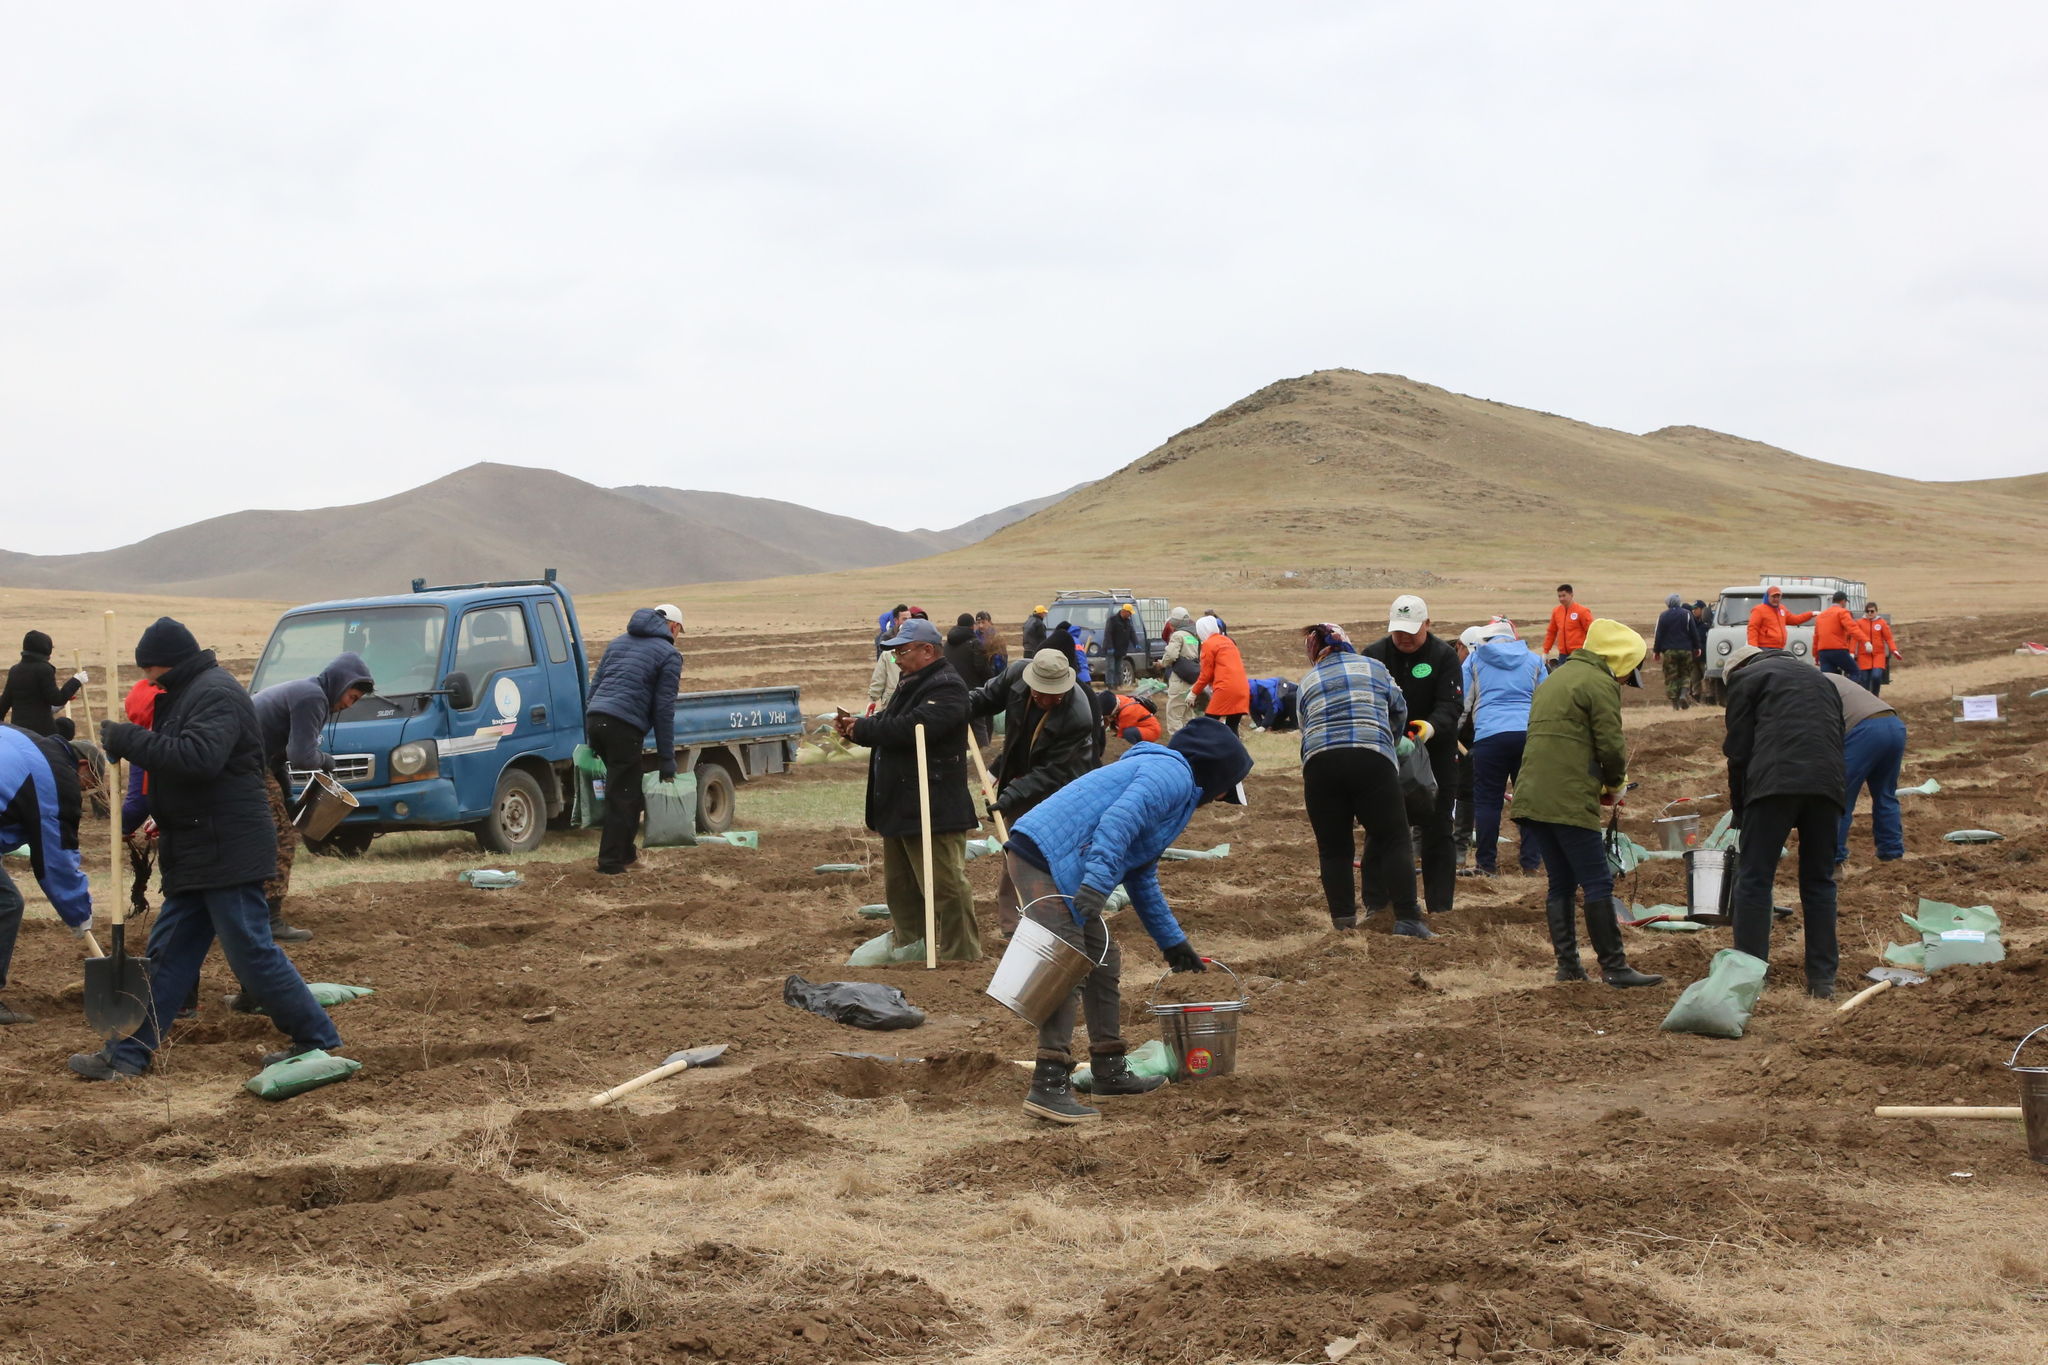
1187,668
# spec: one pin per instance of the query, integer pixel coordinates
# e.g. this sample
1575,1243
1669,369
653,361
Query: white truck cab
1730,629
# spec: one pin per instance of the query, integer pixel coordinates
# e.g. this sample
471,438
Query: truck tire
518,820
350,842
715,798
1127,676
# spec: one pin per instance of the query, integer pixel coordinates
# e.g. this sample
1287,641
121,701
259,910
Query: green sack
977,847
881,951
325,993
1927,788
1719,1004
589,787
297,1075
1182,855
1972,836
1912,955
490,879
1150,1060
739,838
1956,935
671,811
1721,836
838,867
874,912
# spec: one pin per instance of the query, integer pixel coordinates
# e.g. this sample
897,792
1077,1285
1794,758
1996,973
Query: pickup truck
479,711
1088,611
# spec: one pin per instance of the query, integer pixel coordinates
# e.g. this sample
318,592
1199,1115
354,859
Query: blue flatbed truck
479,710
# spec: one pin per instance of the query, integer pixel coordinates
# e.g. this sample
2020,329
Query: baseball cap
1038,610
1407,614
916,631
670,612
1472,636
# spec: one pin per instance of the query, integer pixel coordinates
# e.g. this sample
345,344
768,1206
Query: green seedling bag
589,787
671,810
1152,1059
1719,1004
297,1075
881,951
490,879
1956,935
874,912
326,993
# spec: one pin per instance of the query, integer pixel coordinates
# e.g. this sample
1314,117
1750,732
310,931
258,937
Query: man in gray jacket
291,716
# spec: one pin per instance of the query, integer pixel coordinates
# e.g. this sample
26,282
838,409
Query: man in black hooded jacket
292,716
969,658
32,696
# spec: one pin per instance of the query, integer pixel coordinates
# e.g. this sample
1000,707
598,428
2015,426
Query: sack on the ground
881,951
325,993
297,1075
862,1004
490,879
1152,1059
671,810
1719,1004
589,787
1956,935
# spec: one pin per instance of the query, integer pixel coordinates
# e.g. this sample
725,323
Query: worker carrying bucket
1105,828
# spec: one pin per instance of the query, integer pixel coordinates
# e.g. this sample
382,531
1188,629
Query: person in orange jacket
1133,719
1884,647
1835,638
1223,676
1768,619
1568,622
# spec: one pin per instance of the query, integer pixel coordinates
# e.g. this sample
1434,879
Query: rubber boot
1564,938
1603,926
1052,1095
282,932
1820,988
8,1016
1113,1076
1413,927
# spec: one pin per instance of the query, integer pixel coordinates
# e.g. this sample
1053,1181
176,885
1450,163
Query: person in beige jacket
1180,644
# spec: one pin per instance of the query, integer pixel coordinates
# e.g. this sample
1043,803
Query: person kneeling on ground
1574,765
1106,828
39,806
1048,741
291,716
1132,718
217,848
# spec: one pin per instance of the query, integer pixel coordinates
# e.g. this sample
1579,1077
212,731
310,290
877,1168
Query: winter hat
965,618
1218,758
166,644
1050,673
1674,601
1180,614
1206,627
35,642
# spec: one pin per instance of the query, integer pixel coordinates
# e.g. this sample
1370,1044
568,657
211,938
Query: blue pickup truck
479,709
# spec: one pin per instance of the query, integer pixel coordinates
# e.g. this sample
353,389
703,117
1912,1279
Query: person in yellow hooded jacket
1575,767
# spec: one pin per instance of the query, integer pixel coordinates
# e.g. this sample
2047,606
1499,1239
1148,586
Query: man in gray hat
929,694
1048,741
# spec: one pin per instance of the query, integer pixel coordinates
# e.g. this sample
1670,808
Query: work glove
1182,957
80,678
327,764
82,928
994,809
113,738
668,774
1404,746
1089,902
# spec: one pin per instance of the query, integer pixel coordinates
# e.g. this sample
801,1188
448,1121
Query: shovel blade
696,1056
1898,976
117,993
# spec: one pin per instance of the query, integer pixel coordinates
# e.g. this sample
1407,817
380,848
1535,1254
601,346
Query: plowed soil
1427,1150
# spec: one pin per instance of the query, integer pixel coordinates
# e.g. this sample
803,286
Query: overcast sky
914,262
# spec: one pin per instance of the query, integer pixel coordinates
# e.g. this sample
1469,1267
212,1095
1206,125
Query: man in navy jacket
633,692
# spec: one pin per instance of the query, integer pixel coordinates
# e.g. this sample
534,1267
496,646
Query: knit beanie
166,644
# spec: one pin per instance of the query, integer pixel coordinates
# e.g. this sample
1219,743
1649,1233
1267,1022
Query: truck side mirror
461,692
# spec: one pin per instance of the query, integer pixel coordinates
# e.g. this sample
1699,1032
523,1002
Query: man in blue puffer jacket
39,807
1104,828
634,691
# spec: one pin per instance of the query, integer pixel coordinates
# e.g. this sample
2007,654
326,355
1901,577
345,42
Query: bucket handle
1244,997
2012,1063
1061,896
1687,800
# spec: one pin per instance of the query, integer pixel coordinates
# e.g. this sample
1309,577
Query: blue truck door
514,709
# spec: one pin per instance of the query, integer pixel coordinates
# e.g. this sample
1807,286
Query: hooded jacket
31,695
935,698
205,763
1061,745
1674,631
1223,672
1784,732
966,653
1504,677
1576,749
1111,825
39,806
636,682
293,714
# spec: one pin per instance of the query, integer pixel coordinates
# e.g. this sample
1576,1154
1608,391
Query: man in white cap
1426,669
633,692
1182,663
1048,741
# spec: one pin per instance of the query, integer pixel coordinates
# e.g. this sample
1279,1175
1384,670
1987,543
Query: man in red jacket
1768,619
1568,622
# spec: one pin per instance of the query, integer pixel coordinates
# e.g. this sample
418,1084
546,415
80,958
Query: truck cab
1088,611
1730,630
479,710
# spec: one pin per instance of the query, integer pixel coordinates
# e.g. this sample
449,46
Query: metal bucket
1039,970
1709,884
2033,1100
1202,1038
322,807
1679,832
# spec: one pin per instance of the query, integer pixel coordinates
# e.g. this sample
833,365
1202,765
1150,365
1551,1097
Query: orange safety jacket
1767,624
1223,676
1567,627
1131,713
1884,645
1836,629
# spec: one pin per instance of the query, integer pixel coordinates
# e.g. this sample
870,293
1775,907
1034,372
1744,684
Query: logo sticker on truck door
505,696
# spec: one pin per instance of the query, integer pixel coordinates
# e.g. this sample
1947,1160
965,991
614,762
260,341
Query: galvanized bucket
2033,1100
323,806
1679,832
1202,1038
1709,884
1039,970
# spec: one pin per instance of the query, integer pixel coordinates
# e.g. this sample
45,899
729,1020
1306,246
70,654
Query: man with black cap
31,697
216,846
1427,672
1103,830
931,695
292,716
39,805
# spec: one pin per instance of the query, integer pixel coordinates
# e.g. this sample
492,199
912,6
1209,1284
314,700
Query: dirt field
1428,1148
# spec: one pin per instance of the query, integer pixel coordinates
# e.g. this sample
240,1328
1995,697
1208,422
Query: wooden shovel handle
988,790
1853,1001
92,946
924,817
604,1097
1948,1111
116,779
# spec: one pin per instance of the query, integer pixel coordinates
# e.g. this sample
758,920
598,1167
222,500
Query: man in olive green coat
1574,763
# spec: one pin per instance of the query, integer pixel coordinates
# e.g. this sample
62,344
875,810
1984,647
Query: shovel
1886,978
676,1061
117,985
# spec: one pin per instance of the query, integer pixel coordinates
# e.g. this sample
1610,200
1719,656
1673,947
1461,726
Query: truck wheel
1127,675
350,843
519,815
714,798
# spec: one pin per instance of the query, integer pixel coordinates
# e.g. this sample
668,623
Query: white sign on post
1979,708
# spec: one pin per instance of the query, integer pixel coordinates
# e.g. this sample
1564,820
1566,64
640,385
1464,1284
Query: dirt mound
941,1081
698,1139
69,1316
1141,1163
1418,1303
239,1131
396,1215
14,1199
715,1302
1653,1210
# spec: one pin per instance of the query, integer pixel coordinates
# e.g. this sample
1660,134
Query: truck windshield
402,646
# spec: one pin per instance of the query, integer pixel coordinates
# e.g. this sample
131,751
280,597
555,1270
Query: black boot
1413,927
8,1016
282,932
1603,926
1564,938
1113,1076
1052,1095
1821,987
